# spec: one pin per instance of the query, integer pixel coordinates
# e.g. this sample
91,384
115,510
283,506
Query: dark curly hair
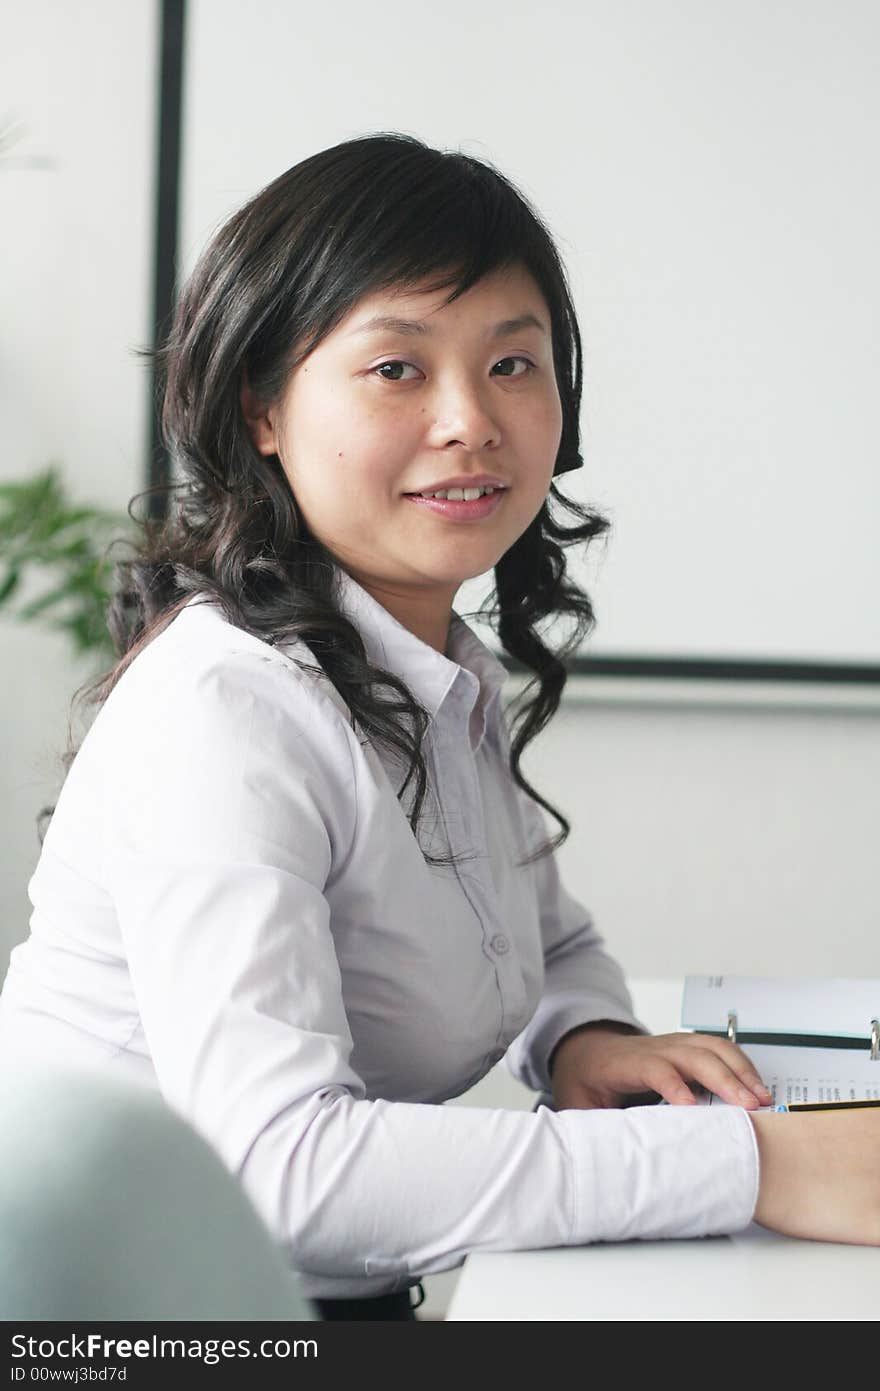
378,212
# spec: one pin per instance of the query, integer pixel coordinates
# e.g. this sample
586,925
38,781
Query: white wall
722,840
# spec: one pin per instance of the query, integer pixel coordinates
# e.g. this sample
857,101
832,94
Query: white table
754,1274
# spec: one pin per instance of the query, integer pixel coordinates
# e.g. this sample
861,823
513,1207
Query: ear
257,419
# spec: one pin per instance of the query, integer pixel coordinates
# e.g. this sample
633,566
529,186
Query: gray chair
112,1208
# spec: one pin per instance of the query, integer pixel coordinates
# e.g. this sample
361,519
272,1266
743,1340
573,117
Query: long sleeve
582,982
226,829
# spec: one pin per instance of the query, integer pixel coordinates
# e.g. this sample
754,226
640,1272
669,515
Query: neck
426,618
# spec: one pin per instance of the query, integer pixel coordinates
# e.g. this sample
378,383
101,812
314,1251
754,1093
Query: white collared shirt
230,906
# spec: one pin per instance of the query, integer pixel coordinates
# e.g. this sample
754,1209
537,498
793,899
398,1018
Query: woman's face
377,413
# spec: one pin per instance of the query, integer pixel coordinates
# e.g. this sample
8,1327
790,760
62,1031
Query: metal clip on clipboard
874,1033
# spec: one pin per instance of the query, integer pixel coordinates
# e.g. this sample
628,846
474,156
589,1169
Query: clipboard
811,1039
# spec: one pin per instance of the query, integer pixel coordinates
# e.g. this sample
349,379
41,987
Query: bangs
426,221
447,234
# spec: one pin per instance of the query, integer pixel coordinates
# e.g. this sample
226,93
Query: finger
736,1060
705,1066
663,1077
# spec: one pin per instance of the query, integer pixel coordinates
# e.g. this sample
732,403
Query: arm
226,818
583,984
819,1176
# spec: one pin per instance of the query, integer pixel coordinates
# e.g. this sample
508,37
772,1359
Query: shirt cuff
662,1171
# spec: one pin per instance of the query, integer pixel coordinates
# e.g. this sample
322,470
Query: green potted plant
42,530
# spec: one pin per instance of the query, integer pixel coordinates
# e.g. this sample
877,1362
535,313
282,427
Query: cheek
539,429
550,419
350,485
369,460
545,434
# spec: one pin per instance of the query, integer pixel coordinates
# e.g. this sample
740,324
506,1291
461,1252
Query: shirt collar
465,682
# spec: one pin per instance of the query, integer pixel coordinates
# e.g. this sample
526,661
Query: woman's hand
600,1066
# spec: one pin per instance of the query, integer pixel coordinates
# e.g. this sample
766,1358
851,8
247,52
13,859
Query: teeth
460,494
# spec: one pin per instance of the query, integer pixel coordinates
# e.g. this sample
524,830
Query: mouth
461,509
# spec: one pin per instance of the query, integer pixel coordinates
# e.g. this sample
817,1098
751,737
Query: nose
463,416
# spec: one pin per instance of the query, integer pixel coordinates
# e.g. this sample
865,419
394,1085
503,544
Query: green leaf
9,584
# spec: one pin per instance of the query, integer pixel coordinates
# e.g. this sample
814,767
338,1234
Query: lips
460,511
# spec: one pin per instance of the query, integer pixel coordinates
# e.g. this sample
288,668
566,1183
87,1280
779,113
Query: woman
296,878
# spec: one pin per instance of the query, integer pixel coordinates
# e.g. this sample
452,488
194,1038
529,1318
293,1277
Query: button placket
461,794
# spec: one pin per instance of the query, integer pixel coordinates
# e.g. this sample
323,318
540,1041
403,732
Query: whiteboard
708,170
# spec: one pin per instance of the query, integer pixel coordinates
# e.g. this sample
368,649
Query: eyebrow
387,324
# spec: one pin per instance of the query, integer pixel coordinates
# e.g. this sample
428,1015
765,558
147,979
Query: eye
530,366
396,362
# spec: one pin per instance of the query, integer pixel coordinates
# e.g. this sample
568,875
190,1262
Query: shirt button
500,944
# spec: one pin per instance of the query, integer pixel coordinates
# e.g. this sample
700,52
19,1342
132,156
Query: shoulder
212,727
203,659
206,690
